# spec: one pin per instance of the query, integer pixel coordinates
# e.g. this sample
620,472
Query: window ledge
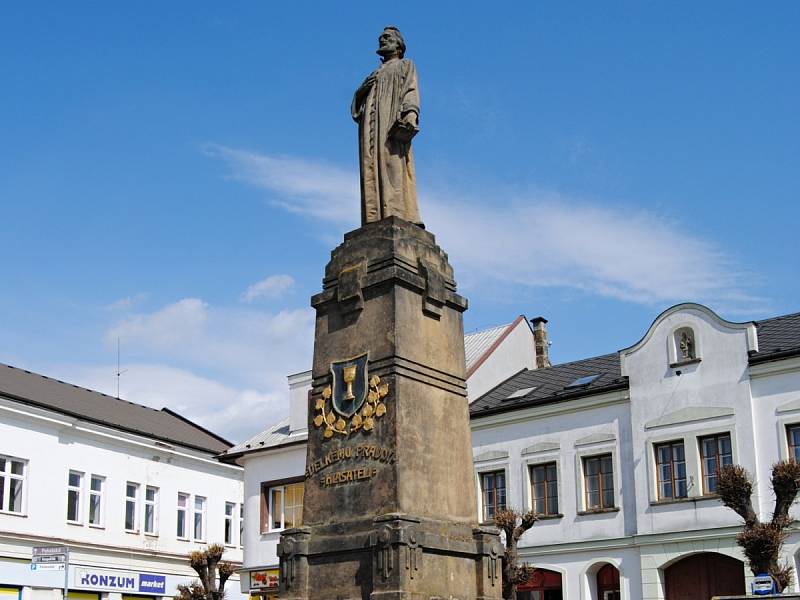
151,535
183,539
688,499
598,511
549,517
132,531
96,526
13,513
683,363
77,523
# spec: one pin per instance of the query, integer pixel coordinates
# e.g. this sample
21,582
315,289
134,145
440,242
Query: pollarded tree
760,541
513,524
213,573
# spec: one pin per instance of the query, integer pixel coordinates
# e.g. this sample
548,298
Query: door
701,576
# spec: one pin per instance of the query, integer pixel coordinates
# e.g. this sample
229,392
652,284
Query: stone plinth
390,508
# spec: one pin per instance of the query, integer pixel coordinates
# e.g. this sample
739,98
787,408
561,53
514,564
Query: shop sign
264,580
763,585
120,581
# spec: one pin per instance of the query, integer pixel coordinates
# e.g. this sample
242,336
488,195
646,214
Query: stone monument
389,508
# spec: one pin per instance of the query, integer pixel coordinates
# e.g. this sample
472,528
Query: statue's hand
411,119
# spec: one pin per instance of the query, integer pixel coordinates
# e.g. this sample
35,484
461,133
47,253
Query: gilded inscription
380,454
348,476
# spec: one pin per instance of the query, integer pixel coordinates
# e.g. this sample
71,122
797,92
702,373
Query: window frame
241,524
153,505
78,491
100,495
787,430
545,465
228,523
7,475
135,500
266,509
202,513
716,436
599,456
186,511
673,479
482,475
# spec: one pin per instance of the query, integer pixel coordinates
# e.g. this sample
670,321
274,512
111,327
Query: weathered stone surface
390,512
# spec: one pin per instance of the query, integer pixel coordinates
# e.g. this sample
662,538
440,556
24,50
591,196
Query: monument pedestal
389,507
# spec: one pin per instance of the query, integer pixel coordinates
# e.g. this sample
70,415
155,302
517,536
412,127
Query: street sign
49,558
762,585
46,550
48,567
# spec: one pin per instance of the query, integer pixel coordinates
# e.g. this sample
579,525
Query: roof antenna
118,370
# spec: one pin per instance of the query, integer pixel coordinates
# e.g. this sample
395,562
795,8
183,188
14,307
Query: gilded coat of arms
353,400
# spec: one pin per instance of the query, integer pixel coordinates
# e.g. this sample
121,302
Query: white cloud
232,412
244,356
271,287
127,303
538,240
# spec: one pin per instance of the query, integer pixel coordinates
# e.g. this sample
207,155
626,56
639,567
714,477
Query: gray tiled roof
51,394
278,434
777,335
549,384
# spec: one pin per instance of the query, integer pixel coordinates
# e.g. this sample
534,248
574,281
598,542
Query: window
544,489
716,453
493,493
793,436
671,471
598,476
151,510
74,485
582,381
96,485
241,525
131,509
183,507
230,507
12,482
285,506
199,518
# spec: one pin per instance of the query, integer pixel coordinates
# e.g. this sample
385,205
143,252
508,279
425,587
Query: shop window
541,585
96,504
716,452
671,470
493,494
544,489
598,478
183,516
74,488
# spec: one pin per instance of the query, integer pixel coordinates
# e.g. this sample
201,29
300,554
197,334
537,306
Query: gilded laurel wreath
374,408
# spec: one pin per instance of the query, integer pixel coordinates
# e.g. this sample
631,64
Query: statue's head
390,43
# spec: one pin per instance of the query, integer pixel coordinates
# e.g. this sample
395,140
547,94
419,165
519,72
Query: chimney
540,342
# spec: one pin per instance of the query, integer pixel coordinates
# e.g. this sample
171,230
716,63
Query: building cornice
775,366
560,407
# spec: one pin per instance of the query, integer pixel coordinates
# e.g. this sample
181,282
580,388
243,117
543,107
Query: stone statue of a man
386,108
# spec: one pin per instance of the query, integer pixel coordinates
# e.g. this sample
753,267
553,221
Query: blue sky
176,174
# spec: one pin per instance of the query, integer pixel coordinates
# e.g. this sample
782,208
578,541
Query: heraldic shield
350,388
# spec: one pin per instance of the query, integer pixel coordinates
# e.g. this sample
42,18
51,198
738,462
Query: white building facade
619,455
129,490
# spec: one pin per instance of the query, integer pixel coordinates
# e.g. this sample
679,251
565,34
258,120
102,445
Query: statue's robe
388,183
